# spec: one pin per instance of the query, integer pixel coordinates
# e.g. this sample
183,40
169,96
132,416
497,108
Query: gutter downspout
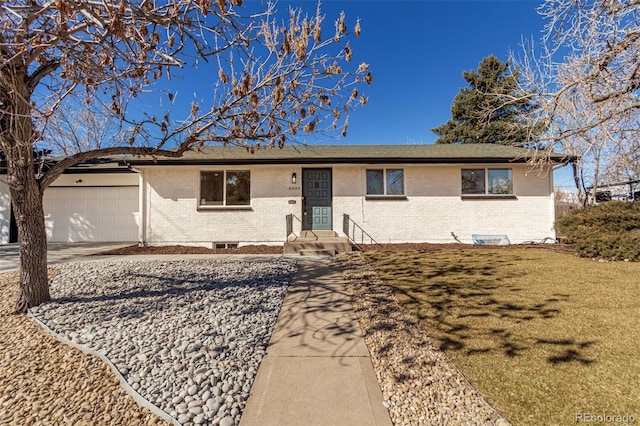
553,203
142,207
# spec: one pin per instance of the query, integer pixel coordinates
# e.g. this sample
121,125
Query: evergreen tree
489,110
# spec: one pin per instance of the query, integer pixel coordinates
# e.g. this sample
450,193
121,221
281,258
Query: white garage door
79,214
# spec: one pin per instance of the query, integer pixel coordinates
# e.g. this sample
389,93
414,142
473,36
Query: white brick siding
172,215
433,209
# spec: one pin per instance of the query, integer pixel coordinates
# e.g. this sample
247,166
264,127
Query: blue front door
316,193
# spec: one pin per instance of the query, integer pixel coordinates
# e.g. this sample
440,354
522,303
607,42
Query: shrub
609,230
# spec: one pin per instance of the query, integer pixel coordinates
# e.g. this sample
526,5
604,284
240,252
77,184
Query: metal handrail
350,227
289,219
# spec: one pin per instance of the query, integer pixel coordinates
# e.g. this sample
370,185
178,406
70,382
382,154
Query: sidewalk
317,370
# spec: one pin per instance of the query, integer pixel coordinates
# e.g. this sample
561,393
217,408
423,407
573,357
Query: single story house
227,196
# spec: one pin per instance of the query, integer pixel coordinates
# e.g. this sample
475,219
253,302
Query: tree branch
42,71
58,168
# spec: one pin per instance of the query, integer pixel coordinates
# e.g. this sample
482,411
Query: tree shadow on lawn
475,304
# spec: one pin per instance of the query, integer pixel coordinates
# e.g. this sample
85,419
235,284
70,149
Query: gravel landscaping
187,335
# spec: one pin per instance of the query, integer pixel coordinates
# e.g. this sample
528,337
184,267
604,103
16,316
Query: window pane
238,188
473,181
375,183
500,181
211,188
395,182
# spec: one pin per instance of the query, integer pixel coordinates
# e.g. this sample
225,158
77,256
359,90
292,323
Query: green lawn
542,335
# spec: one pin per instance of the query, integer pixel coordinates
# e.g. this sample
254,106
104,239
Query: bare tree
589,99
564,202
273,82
600,148
69,131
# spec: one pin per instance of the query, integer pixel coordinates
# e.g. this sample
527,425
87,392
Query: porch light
294,177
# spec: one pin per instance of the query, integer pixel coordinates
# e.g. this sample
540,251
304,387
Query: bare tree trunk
29,214
17,138
596,174
582,196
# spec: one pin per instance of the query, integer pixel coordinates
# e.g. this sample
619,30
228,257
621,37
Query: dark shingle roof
116,164
310,154
327,154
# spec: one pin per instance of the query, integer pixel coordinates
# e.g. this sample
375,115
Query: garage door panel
94,206
79,229
110,221
91,214
125,221
109,207
73,206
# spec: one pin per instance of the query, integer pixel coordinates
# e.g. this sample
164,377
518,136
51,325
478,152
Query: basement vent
225,245
490,240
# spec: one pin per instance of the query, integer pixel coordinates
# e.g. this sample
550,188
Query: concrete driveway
57,252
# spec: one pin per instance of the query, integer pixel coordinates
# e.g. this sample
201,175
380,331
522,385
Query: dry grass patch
541,335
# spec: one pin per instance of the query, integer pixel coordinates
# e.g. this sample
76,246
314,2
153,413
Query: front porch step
316,234
316,245
321,253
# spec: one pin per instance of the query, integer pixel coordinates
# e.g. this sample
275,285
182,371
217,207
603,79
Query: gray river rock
187,335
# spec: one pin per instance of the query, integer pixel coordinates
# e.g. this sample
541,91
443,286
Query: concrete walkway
317,370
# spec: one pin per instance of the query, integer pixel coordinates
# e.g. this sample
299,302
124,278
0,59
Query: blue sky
417,51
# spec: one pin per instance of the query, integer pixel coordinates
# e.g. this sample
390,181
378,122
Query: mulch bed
135,249
264,249
563,248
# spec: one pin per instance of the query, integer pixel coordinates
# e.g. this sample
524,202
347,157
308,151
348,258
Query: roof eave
291,161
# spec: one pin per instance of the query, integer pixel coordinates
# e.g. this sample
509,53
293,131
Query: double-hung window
385,182
487,182
225,188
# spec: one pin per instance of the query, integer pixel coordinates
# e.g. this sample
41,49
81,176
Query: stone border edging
139,399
